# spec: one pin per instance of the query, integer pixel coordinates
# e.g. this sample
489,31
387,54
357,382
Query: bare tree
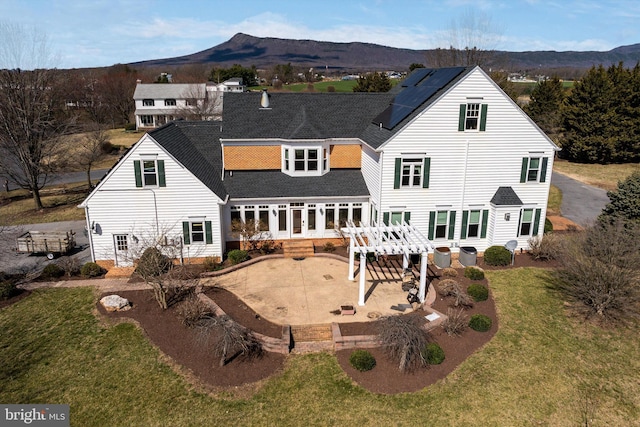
203,103
471,39
157,254
31,110
91,148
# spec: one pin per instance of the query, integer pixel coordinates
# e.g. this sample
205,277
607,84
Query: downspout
464,187
89,233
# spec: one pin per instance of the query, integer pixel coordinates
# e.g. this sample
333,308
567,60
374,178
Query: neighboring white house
446,151
160,103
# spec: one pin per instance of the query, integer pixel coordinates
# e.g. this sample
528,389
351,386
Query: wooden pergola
397,239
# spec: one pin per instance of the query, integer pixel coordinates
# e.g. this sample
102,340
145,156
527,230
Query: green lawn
540,369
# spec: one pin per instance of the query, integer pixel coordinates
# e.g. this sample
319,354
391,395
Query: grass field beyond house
602,176
541,368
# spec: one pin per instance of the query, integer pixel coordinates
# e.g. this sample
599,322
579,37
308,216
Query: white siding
468,167
117,206
371,171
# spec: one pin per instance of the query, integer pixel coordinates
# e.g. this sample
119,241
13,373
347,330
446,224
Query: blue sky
92,33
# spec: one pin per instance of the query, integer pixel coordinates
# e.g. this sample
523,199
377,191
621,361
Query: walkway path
581,203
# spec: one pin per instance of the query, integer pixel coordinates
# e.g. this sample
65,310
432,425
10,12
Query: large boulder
115,303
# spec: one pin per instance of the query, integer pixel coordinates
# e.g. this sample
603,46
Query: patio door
297,222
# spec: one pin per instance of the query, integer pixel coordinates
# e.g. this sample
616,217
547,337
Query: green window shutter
208,232
543,170
523,171
161,179
519,222
138,171
432,224
425,172
186,235
536,221
396,176
463,114
465,221
483,117
452,224
407,217
485,219
385,218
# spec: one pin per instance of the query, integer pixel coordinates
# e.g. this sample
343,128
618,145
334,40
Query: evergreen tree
625,201
544,107
586,115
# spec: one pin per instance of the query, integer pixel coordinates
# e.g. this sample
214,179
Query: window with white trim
304,161
473,226
263,215
411,173
148,102
170,102
197,231
146,120
329,216
472,116
282,217
311,217
534,169
442,224
149,172
122,243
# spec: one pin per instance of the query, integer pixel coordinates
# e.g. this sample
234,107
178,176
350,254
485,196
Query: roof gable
196,145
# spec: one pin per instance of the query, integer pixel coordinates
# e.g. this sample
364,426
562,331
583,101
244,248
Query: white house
160,103
447,151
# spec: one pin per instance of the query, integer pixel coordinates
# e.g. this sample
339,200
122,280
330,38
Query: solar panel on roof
417,75
420,86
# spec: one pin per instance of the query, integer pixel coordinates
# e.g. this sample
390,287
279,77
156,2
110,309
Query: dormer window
148,103
304,161
169,102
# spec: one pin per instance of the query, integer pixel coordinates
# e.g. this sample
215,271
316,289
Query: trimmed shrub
473,273
152,263
433,353
456,322
130,126
545,248
52,271
237,256
497,255
449,272
478,292
362,360
8,289
329,247
91,269
480,323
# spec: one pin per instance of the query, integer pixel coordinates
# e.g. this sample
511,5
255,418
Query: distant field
602,176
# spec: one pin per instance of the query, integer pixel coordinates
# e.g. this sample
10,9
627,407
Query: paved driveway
581,203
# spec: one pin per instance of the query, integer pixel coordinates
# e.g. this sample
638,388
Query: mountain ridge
265,52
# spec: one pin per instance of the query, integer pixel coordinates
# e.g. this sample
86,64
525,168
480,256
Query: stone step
311,333
298,248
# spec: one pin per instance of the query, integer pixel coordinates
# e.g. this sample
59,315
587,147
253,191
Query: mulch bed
185,347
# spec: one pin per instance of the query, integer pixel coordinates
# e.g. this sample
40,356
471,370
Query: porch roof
276,184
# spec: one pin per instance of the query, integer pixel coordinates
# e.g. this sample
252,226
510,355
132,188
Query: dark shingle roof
300,115
273,183
197,146
505,196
